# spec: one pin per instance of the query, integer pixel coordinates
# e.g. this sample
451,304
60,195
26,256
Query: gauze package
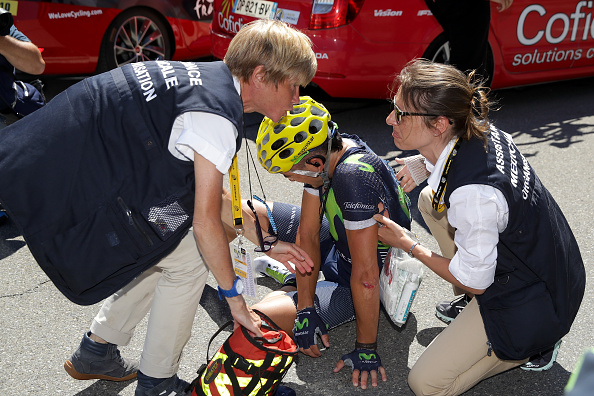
399,281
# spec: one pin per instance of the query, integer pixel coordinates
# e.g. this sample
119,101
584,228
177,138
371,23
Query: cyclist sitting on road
348,183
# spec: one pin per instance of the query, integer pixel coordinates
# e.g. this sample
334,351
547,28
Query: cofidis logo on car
226,20
564,33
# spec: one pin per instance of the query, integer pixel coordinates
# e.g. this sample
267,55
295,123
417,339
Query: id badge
242,264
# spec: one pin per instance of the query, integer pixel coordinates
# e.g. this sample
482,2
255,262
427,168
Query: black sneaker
90,361
38,84
447,311
542,361
172,386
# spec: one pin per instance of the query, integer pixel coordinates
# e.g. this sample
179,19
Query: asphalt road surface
552,124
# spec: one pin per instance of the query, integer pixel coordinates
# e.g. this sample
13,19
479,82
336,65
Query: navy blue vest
89,179
540,276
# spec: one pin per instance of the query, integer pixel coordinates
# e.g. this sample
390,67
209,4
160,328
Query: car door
541,36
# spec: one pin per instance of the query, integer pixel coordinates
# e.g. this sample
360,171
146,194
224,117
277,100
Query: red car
362,44
85,36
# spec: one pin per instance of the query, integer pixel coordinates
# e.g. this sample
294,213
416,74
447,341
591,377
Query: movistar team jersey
362,185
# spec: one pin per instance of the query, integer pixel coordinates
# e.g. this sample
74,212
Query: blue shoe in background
3,217
284,391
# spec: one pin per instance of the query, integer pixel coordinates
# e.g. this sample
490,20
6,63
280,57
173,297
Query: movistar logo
304,150
301,325
354,159
364,356
299,157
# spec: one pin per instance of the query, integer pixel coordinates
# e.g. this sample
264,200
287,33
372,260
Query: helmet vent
278,144
304,127
298,110
297,121
301,136
278,128
317,111
315,126
286,153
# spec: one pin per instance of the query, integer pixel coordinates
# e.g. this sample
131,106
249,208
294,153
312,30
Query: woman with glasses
503,238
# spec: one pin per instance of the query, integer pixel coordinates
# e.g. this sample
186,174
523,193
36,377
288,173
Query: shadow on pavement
105,388
218,310
521,382
544,125
8,246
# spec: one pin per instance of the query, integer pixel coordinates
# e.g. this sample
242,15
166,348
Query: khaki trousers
171,290
457,359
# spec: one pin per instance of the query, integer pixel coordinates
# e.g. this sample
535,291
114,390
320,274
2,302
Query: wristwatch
236,290
410,252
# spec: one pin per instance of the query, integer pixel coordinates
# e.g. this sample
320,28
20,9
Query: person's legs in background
466,25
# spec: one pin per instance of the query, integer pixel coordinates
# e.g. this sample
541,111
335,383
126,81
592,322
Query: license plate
10,6
255,8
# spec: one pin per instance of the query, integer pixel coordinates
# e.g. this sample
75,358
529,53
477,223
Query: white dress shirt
210,135
478,213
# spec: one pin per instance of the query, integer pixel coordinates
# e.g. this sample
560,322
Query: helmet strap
305,173
324,174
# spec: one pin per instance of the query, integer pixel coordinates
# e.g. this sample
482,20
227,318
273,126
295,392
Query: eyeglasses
264,242
399,113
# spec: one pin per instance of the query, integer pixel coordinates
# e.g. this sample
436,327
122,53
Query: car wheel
439,51
134,36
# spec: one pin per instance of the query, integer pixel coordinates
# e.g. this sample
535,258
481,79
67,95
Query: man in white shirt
136,158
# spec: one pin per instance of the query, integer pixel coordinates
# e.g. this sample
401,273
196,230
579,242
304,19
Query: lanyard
443,181
235,195
236,206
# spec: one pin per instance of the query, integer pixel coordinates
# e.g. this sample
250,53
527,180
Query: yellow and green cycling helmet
281,145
